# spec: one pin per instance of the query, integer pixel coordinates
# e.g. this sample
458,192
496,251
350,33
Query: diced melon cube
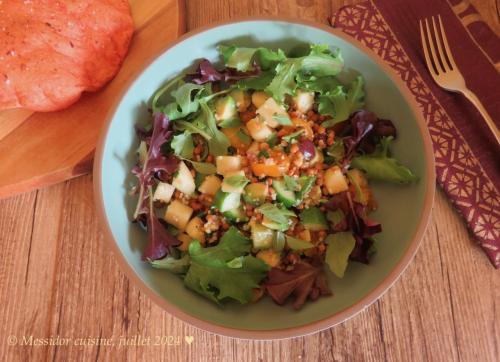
194,228
305,235
186,240
227,164
242,99
163,192
178,214
184,180
358,179
210,185
258,129
335,181
303,101
270,257
269,109
258,98
225,108
358,176
254,148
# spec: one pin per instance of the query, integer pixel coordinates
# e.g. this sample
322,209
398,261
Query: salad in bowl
253,178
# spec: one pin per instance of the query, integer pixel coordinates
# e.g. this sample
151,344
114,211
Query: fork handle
477,103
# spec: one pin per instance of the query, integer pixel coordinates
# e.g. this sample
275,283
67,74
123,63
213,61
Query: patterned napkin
467,158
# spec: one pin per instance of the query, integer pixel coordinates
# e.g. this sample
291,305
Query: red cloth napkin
467,157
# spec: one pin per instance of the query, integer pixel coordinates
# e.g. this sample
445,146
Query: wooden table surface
58,278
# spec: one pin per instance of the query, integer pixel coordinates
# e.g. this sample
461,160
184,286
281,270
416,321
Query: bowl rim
307,328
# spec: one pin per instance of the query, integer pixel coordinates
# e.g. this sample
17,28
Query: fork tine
446,46
444,63
426,52
432,47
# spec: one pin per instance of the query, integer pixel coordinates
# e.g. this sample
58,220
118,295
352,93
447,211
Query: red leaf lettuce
305,280
206,72
357,221
156,165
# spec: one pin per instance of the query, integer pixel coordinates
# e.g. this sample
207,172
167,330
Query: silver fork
443,69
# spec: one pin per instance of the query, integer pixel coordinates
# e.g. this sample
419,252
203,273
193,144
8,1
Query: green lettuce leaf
231,245
280,215
379,166
320,85
339,247
236,181
182,144
223,271
241,58
335,216
204,168
186,101
320,62
291,183
257,83
306,184
336,150
293,136
217,280
283,119
230,123
340,105
218,143
284,81
194,126
155,99
298,244
176,266
243,136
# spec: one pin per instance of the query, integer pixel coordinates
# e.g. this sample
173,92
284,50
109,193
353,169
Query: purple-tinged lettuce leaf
305,280
362,122
160,241
383,128
143,134
156,163
206,72
356,221
367,227
161,134
366,132
362,250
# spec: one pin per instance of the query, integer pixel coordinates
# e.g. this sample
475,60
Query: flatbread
51,51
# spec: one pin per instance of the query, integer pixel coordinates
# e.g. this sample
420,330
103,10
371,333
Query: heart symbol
189,339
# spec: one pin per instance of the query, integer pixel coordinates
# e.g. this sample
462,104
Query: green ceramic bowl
403,210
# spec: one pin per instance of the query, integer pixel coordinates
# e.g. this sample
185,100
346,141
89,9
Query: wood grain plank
416,311
16,225
474,288
11,119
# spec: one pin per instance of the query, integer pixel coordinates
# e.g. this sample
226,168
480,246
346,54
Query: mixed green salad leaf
226,270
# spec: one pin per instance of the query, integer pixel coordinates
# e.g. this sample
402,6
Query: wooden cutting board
39,149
